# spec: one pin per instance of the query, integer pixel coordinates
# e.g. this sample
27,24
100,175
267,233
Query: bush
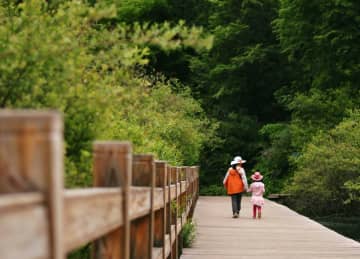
328,171
273,161
72,57
347,226
213,190
81,253
188,234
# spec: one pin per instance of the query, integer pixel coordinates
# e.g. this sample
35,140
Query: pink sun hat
257,176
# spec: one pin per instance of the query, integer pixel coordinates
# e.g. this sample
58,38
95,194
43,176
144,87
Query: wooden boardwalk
281,234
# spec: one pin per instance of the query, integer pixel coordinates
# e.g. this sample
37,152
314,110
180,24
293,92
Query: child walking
257,188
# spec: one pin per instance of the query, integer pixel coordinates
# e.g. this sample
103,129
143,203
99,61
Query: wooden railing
136,208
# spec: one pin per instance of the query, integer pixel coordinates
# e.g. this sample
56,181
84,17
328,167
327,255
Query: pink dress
257,189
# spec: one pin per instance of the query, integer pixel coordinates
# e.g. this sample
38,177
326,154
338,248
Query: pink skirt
257,200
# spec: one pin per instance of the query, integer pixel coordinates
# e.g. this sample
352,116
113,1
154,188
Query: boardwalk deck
281,233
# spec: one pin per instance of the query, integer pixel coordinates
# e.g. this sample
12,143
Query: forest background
198,82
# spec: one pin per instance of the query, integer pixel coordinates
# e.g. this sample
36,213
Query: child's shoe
259,215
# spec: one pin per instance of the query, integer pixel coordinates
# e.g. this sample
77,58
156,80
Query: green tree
71,57
273,160
236,80
322,38
327,174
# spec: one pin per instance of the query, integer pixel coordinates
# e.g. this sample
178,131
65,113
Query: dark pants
236,202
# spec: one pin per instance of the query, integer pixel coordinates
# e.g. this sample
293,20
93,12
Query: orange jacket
233,182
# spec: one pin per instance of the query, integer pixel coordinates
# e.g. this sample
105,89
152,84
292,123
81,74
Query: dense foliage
328,170
71,57
188,234
280,86
282,77
321,40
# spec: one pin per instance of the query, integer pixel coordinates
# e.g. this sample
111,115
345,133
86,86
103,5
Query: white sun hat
237,160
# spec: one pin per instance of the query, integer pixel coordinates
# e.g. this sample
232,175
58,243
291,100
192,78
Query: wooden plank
168,212
142,228
112,167
173,235
178,190
173,192
90,214
167,191
160,217
175,179
139,245
25,233
178,227
192,189
157,252
196,168
182,199
281,233
140,202
31,159
20,200
23,217
167,246
183,186
184,217
159,196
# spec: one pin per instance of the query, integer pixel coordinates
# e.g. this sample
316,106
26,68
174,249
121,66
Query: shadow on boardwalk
281,233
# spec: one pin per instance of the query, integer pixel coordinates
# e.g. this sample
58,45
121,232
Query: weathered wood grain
112,167
90,214
142,229
31,159
157,253
160,216
23,226
42,220
167,246
281,233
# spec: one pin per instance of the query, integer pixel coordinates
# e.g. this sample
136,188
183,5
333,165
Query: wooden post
182,177
160,215
142,229
192,190
174,212
182,205
112,167
197,181
190,193
168,206
31,159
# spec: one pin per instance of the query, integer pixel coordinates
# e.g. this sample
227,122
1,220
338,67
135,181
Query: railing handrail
136,208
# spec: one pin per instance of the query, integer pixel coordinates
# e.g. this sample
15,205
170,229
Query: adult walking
236,183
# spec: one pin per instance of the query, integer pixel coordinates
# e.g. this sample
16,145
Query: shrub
188,234
327,174
72,57
213,190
